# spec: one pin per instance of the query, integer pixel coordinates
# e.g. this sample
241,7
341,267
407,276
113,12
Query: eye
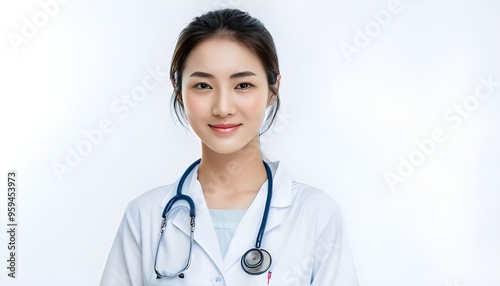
243,86
202,85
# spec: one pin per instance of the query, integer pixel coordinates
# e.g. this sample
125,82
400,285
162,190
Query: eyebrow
236,75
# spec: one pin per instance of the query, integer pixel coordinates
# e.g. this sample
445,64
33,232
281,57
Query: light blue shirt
225,223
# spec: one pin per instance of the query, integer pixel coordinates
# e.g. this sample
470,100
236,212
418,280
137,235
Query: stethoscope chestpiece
256,261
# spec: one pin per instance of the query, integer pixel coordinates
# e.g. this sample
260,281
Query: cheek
255,105
194,107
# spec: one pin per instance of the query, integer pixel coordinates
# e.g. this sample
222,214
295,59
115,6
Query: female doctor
231,219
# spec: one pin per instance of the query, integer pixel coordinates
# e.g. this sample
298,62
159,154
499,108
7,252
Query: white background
345,122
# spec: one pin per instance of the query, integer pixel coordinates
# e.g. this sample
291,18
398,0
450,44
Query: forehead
221,57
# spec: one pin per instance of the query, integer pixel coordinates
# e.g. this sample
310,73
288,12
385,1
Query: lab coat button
217,280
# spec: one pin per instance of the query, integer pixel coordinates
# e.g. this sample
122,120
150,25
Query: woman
231,219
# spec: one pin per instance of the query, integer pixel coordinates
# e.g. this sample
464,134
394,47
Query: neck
242,171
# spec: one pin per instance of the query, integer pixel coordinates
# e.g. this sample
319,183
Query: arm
333,264
123,267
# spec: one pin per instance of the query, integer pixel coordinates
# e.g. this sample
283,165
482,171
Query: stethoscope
254,262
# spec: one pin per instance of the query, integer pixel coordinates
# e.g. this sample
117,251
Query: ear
271,95
178,95
173,83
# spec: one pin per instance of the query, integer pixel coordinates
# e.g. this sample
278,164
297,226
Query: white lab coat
305,235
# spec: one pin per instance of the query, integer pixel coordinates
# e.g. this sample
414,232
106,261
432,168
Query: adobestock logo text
122,108
454,117
30,27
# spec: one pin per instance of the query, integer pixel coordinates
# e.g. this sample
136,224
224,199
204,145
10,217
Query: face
225,94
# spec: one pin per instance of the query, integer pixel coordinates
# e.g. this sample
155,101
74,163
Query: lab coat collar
246,233
282,184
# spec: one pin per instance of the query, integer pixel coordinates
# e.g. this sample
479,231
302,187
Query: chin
225,149
227,146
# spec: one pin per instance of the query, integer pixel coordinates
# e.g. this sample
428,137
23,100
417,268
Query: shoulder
301,195
150,201
311,197
318,208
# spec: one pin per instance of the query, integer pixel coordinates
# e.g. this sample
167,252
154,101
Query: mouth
224,128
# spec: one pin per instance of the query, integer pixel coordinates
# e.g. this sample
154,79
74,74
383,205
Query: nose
224,103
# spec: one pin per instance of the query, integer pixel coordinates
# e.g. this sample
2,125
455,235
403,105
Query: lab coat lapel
245,235
204,233
246,232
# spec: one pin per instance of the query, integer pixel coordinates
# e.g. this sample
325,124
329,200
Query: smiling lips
224,128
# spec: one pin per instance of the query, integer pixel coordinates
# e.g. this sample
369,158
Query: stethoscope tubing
253,270
266,208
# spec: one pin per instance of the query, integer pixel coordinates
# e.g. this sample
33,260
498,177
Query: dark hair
230,24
